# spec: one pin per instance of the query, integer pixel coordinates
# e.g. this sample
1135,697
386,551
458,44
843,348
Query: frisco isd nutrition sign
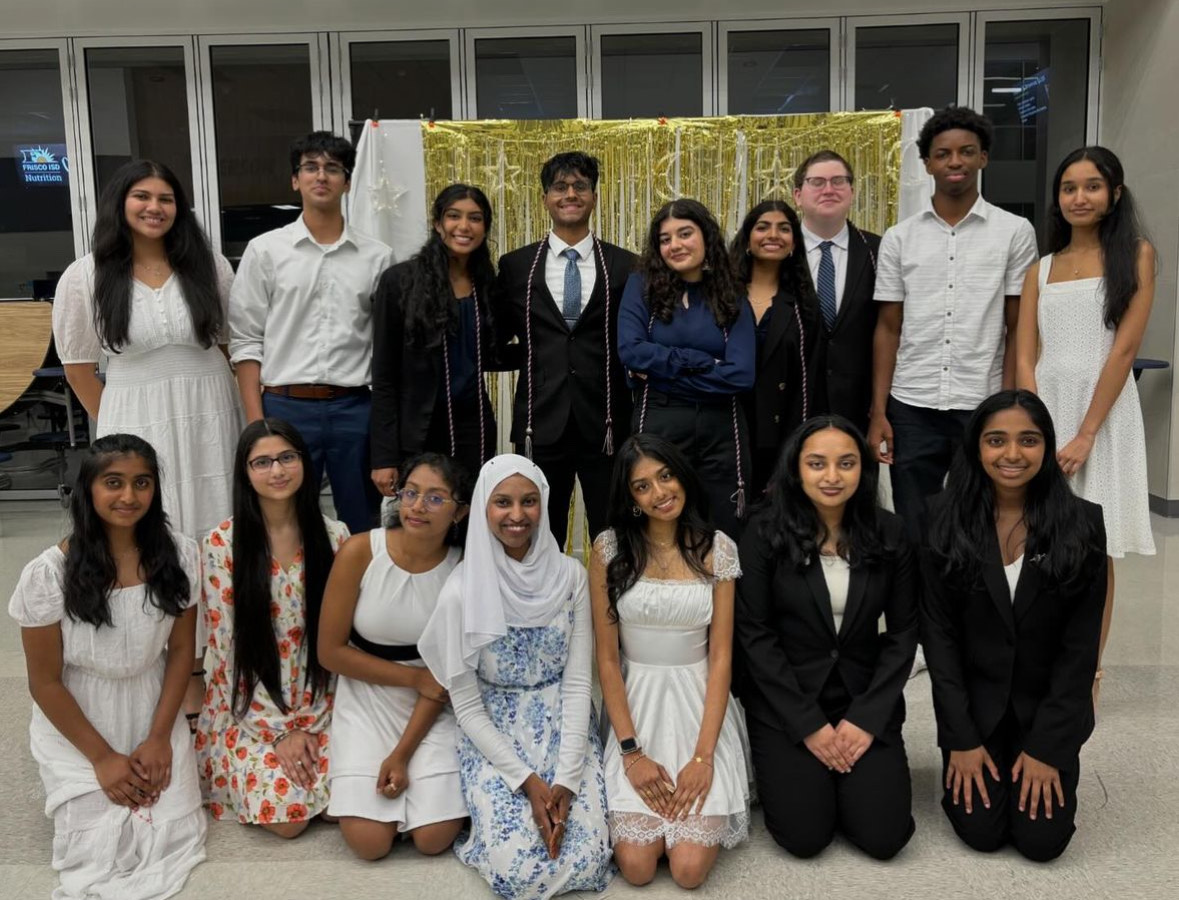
41,164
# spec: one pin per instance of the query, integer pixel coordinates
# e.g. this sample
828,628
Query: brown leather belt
314,391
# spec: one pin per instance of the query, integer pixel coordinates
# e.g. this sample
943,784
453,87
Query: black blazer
569,368
786,636
774,407
407,380
848,384
1036,656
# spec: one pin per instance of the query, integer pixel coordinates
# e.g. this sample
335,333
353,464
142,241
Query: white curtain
388,196
916,185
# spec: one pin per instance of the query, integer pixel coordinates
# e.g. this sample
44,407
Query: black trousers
989,829
924,443
704,432
805,803
573,456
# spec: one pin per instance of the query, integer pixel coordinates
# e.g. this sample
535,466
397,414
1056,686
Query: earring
636,512
748,252
706,268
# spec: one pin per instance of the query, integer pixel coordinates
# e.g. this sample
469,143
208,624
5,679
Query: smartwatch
628,746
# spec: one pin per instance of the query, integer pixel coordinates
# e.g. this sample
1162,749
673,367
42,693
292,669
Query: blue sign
43,164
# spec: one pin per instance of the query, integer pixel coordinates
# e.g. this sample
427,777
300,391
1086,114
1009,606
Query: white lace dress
164,387
1074,345
115,674
663,628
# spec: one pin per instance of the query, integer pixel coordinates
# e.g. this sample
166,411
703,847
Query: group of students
436,672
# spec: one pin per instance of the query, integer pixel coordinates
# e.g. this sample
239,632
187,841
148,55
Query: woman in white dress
394,763
1082,315
661,585
152,298
107,622
263,739
511,639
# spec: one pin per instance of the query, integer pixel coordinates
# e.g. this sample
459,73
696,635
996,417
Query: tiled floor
1126,846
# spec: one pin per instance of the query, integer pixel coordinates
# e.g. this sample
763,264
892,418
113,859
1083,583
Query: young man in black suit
559,299
842,260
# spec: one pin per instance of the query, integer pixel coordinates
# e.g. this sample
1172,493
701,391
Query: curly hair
430,311
664,287
951,118
794,275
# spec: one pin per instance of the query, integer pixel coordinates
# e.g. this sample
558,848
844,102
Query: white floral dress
240,773
663,628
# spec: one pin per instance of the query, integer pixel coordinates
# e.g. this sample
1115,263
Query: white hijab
489,590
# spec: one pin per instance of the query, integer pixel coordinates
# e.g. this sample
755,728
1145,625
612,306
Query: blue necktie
826,285
571,302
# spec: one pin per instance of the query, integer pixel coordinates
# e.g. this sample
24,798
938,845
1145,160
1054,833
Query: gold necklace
156,271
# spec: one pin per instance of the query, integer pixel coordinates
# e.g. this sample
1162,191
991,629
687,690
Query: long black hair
664,285
794,274
430,310
90,569
694,530
255,650
963,525
789,521
186,244
456,477
1119,230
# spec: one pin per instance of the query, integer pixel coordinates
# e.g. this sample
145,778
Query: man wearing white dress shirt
947,283
300,316
842,260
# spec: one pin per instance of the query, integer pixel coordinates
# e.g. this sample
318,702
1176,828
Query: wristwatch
628,746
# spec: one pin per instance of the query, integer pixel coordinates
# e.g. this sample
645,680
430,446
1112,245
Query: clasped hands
550,810
136,779
839,747
1038,781
670,799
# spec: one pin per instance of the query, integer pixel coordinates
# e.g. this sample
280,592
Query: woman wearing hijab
511,640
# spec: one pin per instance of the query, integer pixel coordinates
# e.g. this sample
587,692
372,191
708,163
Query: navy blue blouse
687,357
461,345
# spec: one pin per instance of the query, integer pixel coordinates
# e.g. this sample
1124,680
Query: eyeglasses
288,459
562,187
836,181
332,170
434,502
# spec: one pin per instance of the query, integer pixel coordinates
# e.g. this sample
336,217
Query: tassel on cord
739,499
608,446
528,443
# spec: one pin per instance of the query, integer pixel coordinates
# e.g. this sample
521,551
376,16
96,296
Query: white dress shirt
953,280
304,310
554,269
814,255
837,574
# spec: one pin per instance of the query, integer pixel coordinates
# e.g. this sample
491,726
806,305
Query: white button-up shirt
304,310
814,256
554,269
953,280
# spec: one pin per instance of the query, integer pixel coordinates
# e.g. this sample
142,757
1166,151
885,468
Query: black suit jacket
407,380
569,367
775,405
786,635
1036,655
848,383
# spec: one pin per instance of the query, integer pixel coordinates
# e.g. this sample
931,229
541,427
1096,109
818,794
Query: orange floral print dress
241,776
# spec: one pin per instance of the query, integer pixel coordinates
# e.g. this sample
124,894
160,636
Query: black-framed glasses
562,187
434,502
332,170
288,459
836,181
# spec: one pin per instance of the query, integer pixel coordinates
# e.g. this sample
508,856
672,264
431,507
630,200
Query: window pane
906,66
138,109
261,104
401,79
1036,91
652,75
36,223
779,72
526,78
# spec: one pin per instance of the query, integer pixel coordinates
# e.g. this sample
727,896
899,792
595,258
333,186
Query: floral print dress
240,772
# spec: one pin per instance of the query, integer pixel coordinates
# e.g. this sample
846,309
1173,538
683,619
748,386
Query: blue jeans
337,434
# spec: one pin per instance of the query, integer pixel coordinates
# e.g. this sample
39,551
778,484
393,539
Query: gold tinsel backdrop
729,164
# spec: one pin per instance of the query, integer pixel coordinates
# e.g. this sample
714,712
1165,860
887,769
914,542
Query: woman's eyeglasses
288,459
434,502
